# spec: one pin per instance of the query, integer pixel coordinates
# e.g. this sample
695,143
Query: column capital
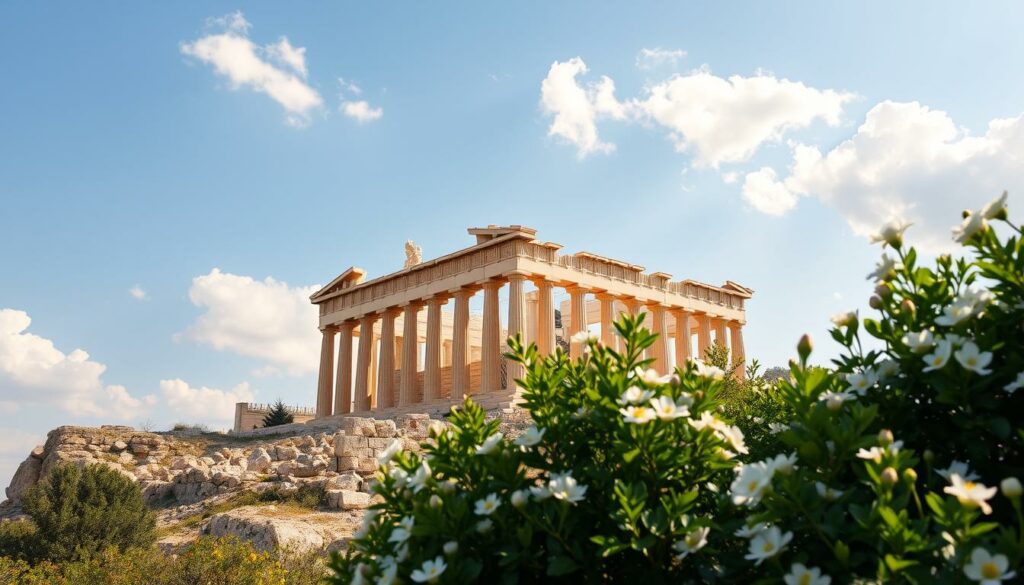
605,296
438,299
734,324
517,275
332,328
389,312
542,281
490,283
655,305
414,304
350,324
680,311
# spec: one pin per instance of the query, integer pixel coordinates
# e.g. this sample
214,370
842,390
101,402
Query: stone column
432,365
446,353
738,355
609,337
516,321
659,351
490,342
362,389
530,333
460,344
374,370
545,317
683,328
718,325
577,317
410,354
703,335
386,361
343,385
325,383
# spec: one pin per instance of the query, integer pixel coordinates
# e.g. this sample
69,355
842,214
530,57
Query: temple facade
389,344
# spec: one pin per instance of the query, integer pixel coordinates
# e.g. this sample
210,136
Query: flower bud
448,486
889,476
519,498
875,302
910,476
928,456
885,437
965,213
883,290
834,403
907,306
451,547
804,347
1011,487
435,501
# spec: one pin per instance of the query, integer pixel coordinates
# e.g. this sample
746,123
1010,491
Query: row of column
541,332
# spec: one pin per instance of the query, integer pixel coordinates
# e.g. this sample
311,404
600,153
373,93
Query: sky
177,179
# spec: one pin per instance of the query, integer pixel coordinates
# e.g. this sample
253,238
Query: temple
397,348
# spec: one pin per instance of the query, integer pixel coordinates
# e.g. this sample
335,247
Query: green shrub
882,469
18,539
278,415
80,511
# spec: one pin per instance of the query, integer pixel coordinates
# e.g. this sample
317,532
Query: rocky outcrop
266,532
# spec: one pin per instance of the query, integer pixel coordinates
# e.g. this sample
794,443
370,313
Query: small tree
278,415
80,511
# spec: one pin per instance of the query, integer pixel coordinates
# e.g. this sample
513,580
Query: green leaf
561,565
897,564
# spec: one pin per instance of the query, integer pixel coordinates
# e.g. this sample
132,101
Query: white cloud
576,108
137,293
651,58
361,111
33,370
349,87
909,161
725,120
763,190
203,405
246,64
264,319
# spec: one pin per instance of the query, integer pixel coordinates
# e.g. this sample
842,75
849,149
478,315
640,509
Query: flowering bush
884,468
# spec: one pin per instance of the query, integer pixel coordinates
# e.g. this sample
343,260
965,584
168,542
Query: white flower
919,341
973,359
767,544
887,368
650,376
402,553
540,492
750,531
958,468
666,409
583,337
388,575
801,575
403,531
1015,385
734,436
1011,487
891,233
884,267
418,481
638,414
995,208
430,572
971,225
861,381
448,486
872,454
400,476
435,501
750,484
564,487
970,494
940,357
519,498
451,547
531,437
706,420
488,505
834,400
953,314
828,494
692,542
709,371
635,395
783,464
358,575
389,453
988,569
484,526
776,428
844,319
490,444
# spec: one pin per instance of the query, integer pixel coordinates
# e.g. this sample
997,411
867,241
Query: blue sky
757,142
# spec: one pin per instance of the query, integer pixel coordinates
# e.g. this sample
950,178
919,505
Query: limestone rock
25,477
348,500
259,460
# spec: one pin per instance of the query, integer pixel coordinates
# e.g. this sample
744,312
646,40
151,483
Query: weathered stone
266,533
347,500
344,481
348,446
25,477
118,446
286,453
38,452
358,426
259,460
385,428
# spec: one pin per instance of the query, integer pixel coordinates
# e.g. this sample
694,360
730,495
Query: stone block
347,445
348,500
385,428
358,426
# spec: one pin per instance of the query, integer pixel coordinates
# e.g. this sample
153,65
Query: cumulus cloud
203,405
576,108
361,111
725,120
766,193
715,119
137,293
267,319
277,70
908,161
33,370
657,57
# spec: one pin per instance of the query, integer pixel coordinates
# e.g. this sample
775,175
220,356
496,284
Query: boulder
25,477
266,533
348,500
344,481
358,426
286,452
118,446
259,460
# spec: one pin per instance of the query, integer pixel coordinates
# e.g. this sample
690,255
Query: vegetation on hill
278,415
